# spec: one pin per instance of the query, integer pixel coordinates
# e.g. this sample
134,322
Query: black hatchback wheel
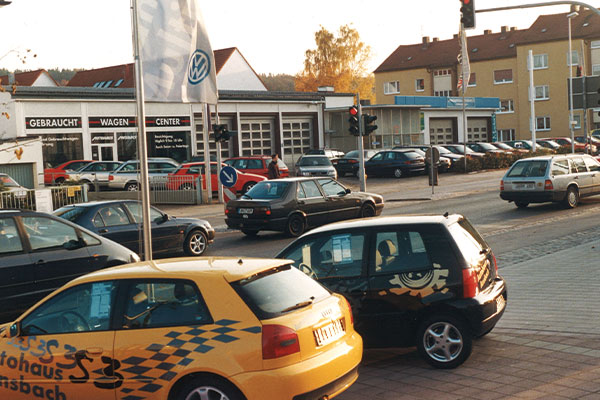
398,173
444,341
195,243
295,225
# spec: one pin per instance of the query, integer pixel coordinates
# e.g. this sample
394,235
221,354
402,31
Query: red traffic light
353,110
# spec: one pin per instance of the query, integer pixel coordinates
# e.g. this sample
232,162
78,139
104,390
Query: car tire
398,173
195,243
248,186
444,341
250,232
59,181
132,187
295,225
209,387
367,210
521,204
90,185
572,197
186,186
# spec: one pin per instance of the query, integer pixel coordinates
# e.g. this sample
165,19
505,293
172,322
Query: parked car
348,164
184,329
460,149
40,252
127,175
548,144
184,178
95,173
258,165
57,175
521,144
13,195
429,281
396,163
8,184
504,146
543,179
293,205
315,165
121,221
444,163
595,143
333,154
444,152
484,147
566,142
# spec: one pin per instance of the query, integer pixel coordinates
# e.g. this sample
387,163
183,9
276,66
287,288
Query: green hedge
497,160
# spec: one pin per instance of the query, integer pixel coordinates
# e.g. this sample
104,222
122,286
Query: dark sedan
349,163
121,221
39,253
293,205
397,163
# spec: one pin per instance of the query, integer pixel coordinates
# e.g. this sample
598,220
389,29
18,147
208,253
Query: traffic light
354,127
222,134
368,124
467,10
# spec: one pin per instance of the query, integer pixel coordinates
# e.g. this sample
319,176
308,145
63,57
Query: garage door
440,131
477,130
256,137
296,140
22,173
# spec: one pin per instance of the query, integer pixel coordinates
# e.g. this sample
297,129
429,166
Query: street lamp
569,17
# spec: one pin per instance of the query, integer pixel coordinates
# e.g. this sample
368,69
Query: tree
339,62
278,82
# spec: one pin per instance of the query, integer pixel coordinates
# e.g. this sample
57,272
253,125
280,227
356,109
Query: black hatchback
429,281
39,253
396,163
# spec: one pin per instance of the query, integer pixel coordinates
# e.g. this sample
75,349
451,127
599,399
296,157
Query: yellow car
208,328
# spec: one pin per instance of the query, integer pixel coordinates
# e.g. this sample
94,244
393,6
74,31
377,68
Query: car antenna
446,214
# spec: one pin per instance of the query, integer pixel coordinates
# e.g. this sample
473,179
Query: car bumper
322,376
533,197
263,224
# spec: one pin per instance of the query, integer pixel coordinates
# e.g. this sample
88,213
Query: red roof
491,46
123,76
25,78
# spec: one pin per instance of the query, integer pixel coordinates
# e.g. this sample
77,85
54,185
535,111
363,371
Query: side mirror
165,217
348,190
14,330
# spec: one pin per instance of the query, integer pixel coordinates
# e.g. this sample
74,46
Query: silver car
559,178
127,176
95,174
315,165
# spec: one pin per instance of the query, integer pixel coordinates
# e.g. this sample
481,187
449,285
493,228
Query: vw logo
198,67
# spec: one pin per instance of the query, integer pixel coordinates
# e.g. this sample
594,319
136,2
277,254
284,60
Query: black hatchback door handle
103,230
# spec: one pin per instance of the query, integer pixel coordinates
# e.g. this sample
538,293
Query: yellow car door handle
94,351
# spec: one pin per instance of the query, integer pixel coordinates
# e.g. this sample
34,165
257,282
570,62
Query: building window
420,85
577,119
506,106
574,58
442,93
542,92
595,44
391,87
442,72
596,69
472,80
503,76
542,123
506,134
540,61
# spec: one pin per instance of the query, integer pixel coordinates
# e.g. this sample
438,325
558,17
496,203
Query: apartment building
499,68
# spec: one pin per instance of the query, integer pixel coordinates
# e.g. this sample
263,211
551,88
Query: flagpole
142,148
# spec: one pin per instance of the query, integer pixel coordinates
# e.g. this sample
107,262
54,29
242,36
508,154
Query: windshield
502,146
314,161
70,213
267,190
487,146
7,181
443,150
352,154
530,169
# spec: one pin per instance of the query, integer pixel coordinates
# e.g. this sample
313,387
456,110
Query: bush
496,160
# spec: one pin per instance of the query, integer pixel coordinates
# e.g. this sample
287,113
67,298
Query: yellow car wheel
209,388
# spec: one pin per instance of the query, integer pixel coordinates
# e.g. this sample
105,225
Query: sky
272,35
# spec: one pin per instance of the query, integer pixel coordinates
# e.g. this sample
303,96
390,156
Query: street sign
228,176
436,155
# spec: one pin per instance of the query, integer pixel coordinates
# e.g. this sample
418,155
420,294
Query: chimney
455,36
487,31
425,39
504,29
513,28
435,39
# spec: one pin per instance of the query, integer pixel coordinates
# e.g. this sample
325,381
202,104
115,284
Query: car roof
230,268
249,157
99,202
387,221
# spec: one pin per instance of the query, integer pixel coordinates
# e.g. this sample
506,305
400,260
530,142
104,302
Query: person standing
274,167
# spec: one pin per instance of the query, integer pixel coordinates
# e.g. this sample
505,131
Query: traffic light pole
219,184
361,152
544,4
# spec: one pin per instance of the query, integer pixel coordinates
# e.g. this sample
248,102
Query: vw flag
177,60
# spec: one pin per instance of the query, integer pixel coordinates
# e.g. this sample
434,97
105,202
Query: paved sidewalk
533,353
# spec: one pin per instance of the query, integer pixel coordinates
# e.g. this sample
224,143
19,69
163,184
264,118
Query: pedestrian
274,167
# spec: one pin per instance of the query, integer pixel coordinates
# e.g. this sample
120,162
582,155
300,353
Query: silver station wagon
560,178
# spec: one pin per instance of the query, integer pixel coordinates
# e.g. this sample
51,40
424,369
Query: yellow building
499,68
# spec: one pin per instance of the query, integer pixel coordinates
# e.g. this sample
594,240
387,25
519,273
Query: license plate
329,333
500,303
245,210
523,186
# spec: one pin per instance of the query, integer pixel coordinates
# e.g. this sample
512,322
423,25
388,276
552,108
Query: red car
184,178
566,142
59,174
258,165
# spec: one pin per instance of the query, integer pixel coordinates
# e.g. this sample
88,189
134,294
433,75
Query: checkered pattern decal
181,346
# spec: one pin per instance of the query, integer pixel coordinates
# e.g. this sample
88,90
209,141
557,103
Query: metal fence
176,189
57,197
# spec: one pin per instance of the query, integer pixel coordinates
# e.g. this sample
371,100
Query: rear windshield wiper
302,304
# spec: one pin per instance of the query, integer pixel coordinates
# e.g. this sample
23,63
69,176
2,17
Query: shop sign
52,122
169,141
163,122
112,122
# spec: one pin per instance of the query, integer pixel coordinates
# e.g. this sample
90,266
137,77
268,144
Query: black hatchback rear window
278,291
